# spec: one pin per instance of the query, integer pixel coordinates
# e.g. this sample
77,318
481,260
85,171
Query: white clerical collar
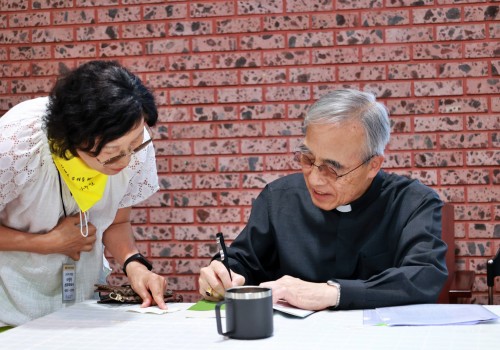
344,208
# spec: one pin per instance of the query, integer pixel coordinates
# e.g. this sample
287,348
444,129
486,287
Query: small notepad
151,310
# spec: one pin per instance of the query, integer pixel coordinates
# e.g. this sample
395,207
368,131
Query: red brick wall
233,78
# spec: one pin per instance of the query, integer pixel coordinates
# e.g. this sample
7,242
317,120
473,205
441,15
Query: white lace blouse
30,201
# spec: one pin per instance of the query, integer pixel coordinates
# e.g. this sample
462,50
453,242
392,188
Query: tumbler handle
218,319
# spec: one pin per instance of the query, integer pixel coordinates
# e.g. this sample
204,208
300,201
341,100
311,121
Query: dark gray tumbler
249,313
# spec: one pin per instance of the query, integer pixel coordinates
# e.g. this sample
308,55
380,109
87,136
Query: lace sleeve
20,156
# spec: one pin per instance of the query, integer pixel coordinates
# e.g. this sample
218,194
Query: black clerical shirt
386,251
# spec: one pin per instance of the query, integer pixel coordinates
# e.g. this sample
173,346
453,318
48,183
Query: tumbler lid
248,292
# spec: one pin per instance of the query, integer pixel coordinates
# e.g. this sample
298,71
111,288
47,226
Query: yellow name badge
68,282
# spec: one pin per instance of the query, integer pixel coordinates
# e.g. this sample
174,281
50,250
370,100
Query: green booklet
204,308
2,329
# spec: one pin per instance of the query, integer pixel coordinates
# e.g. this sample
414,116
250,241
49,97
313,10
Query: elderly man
343,234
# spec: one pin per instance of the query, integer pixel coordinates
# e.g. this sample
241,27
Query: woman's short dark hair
96,103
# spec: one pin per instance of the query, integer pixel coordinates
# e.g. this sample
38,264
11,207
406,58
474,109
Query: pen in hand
222,251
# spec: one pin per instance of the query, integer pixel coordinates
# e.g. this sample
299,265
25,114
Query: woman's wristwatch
139,258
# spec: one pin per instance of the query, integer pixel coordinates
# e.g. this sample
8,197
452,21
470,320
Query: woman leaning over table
71,166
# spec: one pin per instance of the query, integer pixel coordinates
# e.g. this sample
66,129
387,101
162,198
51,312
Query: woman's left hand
150,286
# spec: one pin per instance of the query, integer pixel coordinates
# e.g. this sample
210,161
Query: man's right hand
214,280
66,238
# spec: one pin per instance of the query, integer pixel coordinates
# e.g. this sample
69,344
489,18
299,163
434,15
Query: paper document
428,314
206,309
283,306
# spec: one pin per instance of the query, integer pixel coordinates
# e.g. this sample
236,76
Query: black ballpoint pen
222,251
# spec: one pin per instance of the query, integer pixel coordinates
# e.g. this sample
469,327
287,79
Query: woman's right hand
66,238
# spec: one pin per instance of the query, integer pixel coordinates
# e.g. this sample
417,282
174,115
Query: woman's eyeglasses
307,163
116,159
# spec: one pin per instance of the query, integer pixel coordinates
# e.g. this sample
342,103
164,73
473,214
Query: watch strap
139,258
335,284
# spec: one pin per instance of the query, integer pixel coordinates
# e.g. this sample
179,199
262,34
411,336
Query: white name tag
68,282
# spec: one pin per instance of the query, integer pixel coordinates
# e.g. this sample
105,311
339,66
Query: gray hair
349,105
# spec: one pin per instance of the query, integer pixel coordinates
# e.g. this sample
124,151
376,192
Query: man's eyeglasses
307,163
116,159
